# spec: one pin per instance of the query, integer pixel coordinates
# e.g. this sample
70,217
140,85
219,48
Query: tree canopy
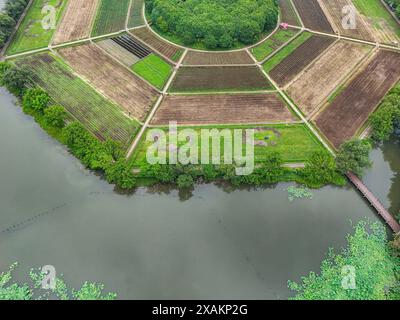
214,23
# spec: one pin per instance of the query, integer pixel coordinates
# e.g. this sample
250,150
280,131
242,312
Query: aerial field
98,115
148,37
288,14
111,17
115,81
118,52
334,10
300,58
136,18
217,58
319,80
312,15
31,34
218,109
219,79
386,29
77,21
293,141
153,69
264,49
352,107
133,45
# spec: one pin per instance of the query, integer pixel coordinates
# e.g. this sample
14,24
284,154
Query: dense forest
395,5
216,24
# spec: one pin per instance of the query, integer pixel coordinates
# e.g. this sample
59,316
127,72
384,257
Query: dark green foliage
36,99
15,79
55,116
185,181
386,118
374,263
395,6
9,17
321,169
214,23
354,156
99,156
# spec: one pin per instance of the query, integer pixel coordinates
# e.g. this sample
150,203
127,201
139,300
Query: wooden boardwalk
374,201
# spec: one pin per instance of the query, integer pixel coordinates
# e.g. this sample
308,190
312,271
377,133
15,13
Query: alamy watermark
202,146
349,278
49,277
49,20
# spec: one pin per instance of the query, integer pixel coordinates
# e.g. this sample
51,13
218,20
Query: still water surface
152,245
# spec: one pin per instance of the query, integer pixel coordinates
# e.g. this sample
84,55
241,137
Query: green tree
185,181
353,156
376,269
35,99
320,169
17,80
121,174
55,116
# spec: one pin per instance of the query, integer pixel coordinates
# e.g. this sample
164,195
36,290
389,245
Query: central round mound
213,24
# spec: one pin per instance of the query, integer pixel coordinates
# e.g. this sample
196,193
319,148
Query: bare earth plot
312,15
214,79
214,58
288,15
351,108
228,109
115,81
318,81
334,9
293,64
77,21
148,37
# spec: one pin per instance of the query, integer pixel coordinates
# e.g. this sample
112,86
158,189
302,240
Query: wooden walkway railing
374,201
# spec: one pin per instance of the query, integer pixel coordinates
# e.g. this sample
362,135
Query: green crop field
98,115
264,49
136,18
286,51
111,17
294,142
31,34
154,69
375,10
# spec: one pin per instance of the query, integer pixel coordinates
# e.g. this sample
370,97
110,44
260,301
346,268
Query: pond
220,243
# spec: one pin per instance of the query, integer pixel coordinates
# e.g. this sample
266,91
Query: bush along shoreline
9,17
108,157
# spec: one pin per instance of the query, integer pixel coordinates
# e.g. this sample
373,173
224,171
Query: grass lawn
100,116
376,10
294,142
154,69
31,34
264,49
286,51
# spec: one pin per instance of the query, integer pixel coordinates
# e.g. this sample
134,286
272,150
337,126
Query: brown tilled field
292,65
196,79
148,37
312,15
77,21
334,9
318,81
113,80
288,14
352,107
213,58
228,109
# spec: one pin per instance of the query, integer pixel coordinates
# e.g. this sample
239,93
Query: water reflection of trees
391,154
